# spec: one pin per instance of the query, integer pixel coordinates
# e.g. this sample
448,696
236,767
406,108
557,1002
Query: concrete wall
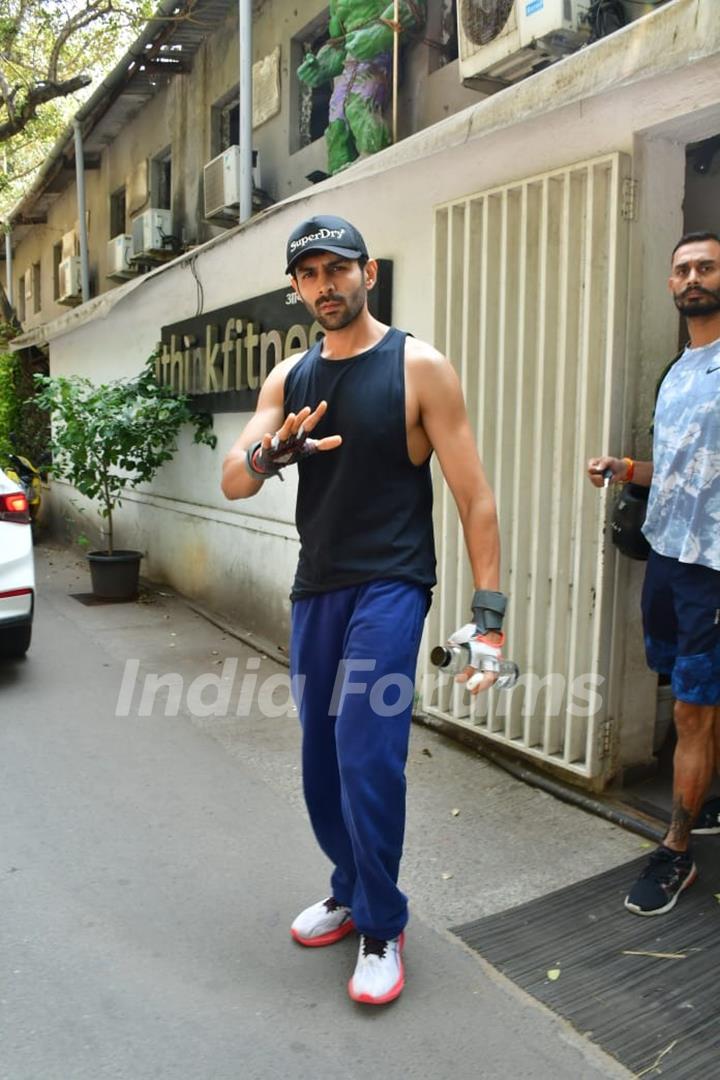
647,99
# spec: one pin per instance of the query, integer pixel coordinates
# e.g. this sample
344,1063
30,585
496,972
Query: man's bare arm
445,422
267,424
237,483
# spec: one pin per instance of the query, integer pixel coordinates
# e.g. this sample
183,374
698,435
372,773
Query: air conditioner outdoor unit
508,39
69,279
119,253
221,182
69,246
149,231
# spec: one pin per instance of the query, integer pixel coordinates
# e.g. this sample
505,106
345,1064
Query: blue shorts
681,624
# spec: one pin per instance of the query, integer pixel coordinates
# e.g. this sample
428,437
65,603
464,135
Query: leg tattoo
680,822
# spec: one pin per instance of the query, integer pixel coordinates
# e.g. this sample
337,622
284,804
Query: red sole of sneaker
394,991
324,939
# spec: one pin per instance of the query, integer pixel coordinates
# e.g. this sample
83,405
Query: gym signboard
222,358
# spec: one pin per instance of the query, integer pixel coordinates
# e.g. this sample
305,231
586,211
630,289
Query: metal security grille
530,301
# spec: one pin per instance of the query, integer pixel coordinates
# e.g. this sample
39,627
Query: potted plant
109,437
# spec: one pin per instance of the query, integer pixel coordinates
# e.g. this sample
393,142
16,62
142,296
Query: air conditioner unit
509,39
221,182
150,231
69,244
69,280
119,253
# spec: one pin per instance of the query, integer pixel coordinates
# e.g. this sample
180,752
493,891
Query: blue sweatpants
353,658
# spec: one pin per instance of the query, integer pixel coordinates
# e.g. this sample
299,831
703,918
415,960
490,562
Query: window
21,298
225,123
161,181
310,105
117,212
447,33
57,259
36,286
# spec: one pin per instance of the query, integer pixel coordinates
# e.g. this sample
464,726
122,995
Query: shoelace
331,904
373,946
664,867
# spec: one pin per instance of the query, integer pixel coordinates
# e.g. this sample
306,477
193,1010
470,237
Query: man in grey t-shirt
681,592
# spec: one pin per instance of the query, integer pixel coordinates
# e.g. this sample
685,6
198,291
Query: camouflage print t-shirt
683,514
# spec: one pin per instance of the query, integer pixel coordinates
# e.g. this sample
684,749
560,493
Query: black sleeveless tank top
364,511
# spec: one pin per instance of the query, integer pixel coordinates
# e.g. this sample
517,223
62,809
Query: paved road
150,867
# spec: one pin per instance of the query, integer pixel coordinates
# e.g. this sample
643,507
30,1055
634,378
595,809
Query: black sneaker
708,820
661,882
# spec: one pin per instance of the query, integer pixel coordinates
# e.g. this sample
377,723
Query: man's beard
708,303
349,307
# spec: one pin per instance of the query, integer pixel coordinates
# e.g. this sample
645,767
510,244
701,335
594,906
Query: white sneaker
322,924
379,974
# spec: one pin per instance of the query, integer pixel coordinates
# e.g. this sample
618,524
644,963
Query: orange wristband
630,470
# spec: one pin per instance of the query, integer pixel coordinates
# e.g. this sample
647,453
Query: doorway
700,213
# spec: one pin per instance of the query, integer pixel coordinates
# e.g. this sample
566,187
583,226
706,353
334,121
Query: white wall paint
240,557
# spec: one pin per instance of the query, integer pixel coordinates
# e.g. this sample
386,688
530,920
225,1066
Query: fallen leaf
717,897
446,876
455,812
553,974
647,844
426,752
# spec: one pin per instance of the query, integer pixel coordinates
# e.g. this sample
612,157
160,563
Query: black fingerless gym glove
264,463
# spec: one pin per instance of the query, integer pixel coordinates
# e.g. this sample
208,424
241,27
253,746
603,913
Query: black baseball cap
325,233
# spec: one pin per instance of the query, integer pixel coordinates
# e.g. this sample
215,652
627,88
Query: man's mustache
699,289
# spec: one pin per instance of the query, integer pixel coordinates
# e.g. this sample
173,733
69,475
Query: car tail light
14,507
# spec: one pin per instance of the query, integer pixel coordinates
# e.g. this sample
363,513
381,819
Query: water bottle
452,659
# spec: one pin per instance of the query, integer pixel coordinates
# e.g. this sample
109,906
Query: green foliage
9,404
18,413
49,51
114,436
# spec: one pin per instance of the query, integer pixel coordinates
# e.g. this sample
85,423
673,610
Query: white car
17,570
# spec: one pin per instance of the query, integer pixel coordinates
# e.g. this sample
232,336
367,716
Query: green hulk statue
358,57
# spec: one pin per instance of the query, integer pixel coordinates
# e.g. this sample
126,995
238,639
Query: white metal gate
530,305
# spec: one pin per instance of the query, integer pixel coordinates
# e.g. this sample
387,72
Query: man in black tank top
360,414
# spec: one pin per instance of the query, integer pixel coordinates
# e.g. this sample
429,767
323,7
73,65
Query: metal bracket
628,209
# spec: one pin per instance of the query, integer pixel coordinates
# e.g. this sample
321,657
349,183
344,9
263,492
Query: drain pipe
82,218
8,265
246,108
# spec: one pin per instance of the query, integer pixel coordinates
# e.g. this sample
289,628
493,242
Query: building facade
528,236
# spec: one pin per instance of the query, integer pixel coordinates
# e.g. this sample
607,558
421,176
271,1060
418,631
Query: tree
113,436
50,51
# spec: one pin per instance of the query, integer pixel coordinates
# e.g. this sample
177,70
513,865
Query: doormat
644,989
90,600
